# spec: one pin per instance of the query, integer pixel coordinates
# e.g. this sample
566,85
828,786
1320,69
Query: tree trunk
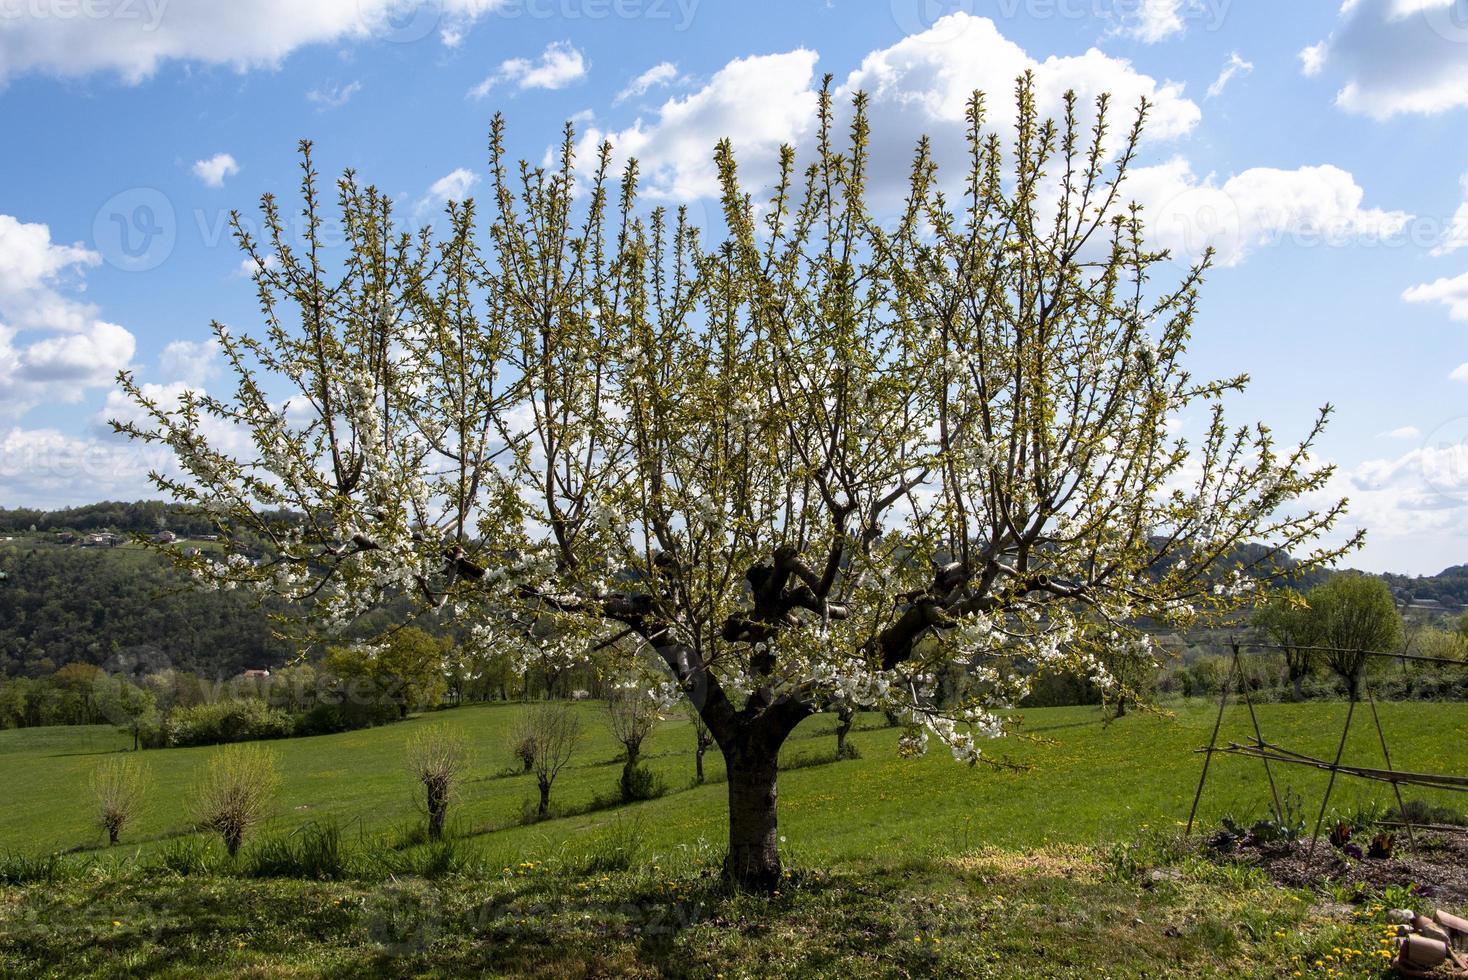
753,863
1299,682
545,788
1121,706
628,767
437,808
846,717
703,746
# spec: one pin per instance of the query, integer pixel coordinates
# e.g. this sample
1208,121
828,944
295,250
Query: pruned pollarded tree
554,732
438,757
235,793
817,461
118,788
631,716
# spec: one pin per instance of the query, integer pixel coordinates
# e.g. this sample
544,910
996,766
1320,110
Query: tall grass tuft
314,851
22,869
187,857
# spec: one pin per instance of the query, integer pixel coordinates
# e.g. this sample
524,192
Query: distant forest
100,606
108,606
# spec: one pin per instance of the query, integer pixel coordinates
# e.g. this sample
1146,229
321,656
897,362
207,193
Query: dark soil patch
1438,867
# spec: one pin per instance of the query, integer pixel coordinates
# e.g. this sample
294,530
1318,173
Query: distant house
165,537
100,539
257,673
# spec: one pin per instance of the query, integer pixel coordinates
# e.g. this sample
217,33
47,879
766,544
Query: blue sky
1323,148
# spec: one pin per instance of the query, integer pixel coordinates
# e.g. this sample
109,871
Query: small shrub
118,787
1383,846
641,783
437,758
236,791
223,722
522,750
1340,835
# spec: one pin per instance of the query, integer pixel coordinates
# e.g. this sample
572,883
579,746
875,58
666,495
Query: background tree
1354,614
631,716
405,668
814,458
703,740
1289,622
127,706
236,791
554,732
118,789
437,760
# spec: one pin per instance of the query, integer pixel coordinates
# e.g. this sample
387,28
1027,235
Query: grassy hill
898,868
1084,781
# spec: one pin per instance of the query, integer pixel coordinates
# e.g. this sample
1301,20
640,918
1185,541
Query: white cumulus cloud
1310,206
919,85
1155,20
333,96
139,36
1395,57
190,361
1452,293
213,170
661,75
53,346
559,65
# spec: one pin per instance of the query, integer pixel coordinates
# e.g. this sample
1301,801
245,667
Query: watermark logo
1198,219
401,22
1444,458
1448,20
146,13
135,230
922,16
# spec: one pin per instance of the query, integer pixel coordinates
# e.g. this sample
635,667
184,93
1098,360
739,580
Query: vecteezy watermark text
147,12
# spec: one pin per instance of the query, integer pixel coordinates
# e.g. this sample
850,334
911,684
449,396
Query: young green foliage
818,461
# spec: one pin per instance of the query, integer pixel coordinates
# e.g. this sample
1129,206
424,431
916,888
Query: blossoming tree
813,463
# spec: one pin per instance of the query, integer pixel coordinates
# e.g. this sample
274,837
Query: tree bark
753,863
1299,682
845,718
628,767
545,788
437,809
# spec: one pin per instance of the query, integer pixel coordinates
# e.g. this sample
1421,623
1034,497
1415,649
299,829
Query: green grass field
901,868
1083,781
